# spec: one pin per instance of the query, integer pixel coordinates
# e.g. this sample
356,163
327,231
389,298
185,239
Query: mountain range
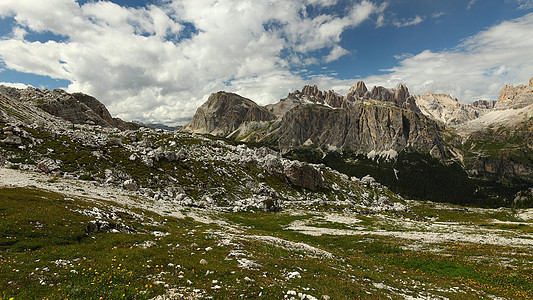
487,143
429,146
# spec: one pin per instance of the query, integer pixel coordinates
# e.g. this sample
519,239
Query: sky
157,61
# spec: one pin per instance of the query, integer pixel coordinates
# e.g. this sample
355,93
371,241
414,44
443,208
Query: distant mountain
324,119
160,126
490,141
228,114
444,108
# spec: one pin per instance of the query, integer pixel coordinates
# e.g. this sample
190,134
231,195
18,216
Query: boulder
130,185
48,165
273,166
304,175
12,140
171,155
114,142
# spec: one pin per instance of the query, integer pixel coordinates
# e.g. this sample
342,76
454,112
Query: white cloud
475,69
336,53
470,4
160,62
17,85
323,3
408,22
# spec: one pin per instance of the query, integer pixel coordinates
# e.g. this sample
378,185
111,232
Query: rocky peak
225,112
402,93
311,94
399,96
312,91
515,97
531,82
357,91
444,108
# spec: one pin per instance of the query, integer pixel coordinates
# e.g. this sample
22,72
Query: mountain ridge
491,141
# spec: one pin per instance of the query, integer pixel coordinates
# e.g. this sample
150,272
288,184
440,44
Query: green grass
49,250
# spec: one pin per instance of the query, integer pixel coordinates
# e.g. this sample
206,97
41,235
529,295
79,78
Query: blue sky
157,61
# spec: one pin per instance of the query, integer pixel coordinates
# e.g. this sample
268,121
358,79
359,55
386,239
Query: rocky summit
224,113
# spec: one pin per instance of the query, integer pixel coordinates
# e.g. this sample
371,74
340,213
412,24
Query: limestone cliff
223,113
515,97
364,128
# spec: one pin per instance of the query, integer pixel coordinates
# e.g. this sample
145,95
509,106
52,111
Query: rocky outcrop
48,165
76,108
501,152
483,104
358,91
399,96
311,94
515,97
223,113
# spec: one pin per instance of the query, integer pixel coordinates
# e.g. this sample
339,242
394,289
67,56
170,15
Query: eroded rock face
399,96
362,128
515,97
311,94
357,91
484,104
224,113
74,108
